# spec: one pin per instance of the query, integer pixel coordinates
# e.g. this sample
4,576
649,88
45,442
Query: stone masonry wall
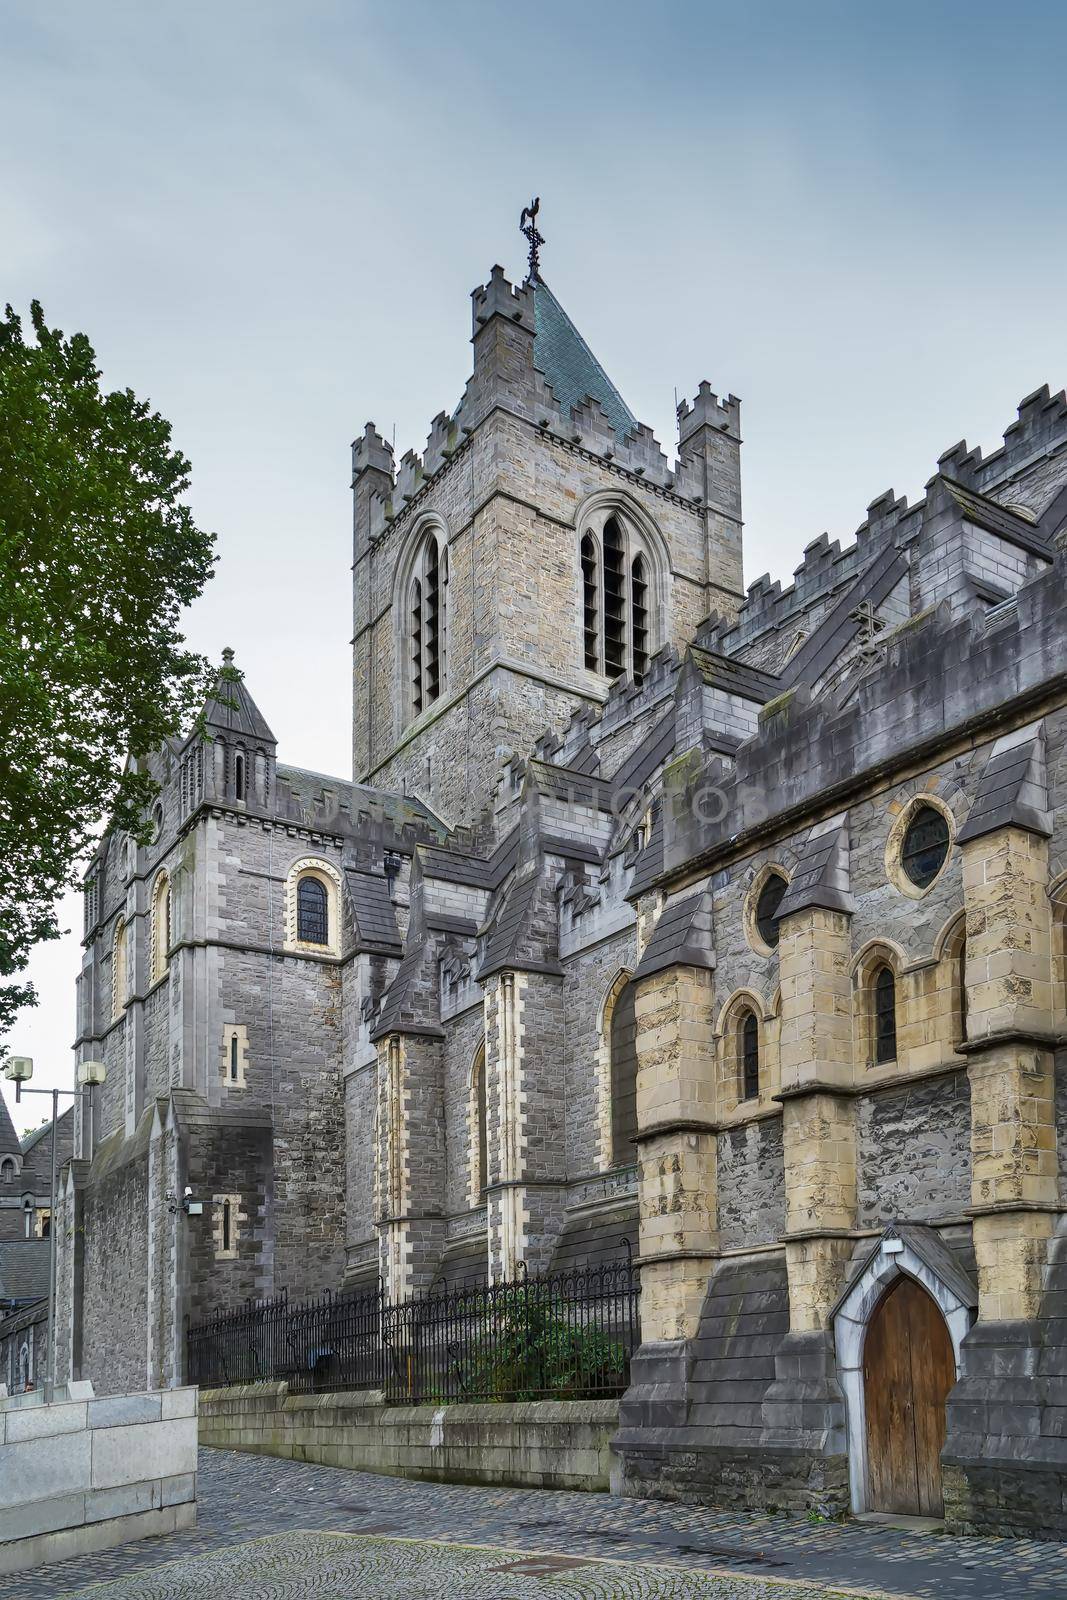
545,1444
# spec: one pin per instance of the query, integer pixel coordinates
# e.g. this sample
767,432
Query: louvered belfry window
591,603
426,624
617,614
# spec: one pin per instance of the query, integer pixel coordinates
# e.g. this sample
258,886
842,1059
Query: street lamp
19,1070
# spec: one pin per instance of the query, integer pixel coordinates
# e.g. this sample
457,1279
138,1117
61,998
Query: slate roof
64,1129
1012,791
508,925
9,1142
995,518
650,754
650,862
682,937
397,809
570,366
372,909
734,676
477,872
24,1270
231,709
819,652
398,1013
821,876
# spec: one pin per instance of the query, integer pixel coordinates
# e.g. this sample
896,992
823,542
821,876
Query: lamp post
19,1071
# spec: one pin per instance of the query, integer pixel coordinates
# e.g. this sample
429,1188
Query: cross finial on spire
528,226
227,656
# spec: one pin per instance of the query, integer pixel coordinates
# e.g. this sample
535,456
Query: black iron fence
563,1336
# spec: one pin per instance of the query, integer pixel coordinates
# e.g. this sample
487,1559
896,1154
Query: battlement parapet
499,298
626,699
940,674
708,411
1040,428
372,453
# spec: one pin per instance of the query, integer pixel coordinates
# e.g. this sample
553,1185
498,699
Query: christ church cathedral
724,925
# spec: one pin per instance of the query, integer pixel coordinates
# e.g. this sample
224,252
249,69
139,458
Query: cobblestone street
270,1527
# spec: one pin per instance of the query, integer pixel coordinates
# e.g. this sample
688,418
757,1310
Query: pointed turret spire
231,709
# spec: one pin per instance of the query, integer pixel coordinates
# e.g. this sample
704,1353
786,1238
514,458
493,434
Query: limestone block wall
544,1444
114,1306
84,1474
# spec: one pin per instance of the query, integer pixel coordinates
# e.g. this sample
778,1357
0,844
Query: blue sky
269,218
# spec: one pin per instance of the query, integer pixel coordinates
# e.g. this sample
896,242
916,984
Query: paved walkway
280,1528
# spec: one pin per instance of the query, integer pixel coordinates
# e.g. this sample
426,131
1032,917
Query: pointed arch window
618,619
426,623
239,776
590,603
884,1015
160,936
119,987
623,1046
750,1053
479,1129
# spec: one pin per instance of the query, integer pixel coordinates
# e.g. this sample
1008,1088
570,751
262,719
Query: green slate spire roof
570,366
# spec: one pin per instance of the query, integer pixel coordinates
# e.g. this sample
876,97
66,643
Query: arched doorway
908,1370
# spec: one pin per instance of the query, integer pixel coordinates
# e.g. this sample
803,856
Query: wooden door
908,1370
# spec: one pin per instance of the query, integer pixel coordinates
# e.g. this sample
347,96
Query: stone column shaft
818,1124
1009,1019
677,1139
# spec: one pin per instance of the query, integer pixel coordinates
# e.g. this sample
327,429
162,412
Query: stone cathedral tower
540,547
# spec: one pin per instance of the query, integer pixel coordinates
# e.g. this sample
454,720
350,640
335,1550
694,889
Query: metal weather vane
528,226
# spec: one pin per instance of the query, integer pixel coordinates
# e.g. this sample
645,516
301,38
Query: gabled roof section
64,1130
230,708
408,1004
9,1141
1013,789
821,877
819,652
995,518
682,937
517,931
371,906
649,864
24,1270
733,675
570,366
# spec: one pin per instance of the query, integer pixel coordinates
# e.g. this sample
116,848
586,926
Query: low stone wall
83,1474
545,1444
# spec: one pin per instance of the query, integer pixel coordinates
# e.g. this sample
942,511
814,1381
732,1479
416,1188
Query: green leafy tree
98,555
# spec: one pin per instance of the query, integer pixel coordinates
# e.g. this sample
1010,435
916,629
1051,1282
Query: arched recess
1058,897
326,876
119,971
747,1052
160,926
617,1073
950,950
624,586
477,1126
421,618
907,1251
878,1006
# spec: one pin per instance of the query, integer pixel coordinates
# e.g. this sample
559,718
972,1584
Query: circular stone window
762,912
924,849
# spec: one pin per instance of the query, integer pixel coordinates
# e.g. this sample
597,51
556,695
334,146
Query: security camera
191,1207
